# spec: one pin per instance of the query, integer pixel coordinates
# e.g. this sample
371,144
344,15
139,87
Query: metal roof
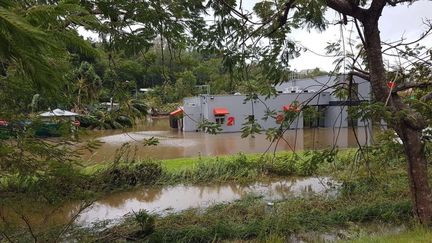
58,112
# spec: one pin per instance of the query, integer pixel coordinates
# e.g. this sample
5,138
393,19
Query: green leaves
209,127
16,36
36,41
151,141
250,127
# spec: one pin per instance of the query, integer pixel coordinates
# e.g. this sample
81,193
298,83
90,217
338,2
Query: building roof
316,84
58,113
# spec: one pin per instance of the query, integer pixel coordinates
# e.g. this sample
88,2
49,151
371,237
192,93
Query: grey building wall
304,91
335,115
325,83
192,113
198,108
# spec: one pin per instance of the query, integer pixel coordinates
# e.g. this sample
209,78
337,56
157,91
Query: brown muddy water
176,144
162,200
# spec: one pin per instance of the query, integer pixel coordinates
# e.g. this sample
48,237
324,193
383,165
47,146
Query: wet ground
181,197
163,200
176,144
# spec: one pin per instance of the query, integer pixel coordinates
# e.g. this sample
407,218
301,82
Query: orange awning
220,111
177,112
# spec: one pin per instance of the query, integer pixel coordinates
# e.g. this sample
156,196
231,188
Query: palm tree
87,85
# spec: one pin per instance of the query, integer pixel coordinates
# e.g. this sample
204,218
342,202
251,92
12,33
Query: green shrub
145,221
129,174
282,166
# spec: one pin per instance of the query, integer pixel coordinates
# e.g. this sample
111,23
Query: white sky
395,22
403,20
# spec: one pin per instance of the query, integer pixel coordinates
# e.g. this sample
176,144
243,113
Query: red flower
291,107
391,85
280,118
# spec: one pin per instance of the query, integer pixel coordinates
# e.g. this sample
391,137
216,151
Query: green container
48,130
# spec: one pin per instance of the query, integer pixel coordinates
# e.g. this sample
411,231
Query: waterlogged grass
124,173
369,194
252,219
193,162
236,166
177,164
373,190
416,235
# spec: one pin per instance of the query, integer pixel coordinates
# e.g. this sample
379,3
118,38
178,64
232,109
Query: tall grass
416,235
365,197
252,219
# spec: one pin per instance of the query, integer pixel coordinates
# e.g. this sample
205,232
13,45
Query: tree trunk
417,172
408,127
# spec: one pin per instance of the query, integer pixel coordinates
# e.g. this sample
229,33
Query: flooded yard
176,144
162,200
181,197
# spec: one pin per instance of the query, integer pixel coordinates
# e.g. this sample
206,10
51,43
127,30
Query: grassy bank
374,191
177,164
253,219
123,173
415,235
240,167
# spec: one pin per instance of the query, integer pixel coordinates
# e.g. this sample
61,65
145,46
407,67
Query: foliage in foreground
251,218
369,193
416,235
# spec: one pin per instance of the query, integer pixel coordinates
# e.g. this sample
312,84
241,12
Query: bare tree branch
3,218
360,33
82,207
396,2
27,223
427,97
361,75
361,71
406,86
347,8
421,37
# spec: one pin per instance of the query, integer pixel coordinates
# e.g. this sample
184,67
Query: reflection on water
175,144
181,197
162,200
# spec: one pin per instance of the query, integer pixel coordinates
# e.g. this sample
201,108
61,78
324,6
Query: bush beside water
369,193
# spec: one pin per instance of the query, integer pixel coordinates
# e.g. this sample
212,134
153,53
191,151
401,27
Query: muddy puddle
163,200
175,144
181,197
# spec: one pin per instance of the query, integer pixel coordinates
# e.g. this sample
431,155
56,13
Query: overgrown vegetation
45,64
368,195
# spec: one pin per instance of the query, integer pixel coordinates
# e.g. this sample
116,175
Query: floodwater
181,197
176,144
162,200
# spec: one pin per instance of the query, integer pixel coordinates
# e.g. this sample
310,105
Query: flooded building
320,93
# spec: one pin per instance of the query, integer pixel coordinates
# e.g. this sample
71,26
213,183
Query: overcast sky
395,22
403,20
